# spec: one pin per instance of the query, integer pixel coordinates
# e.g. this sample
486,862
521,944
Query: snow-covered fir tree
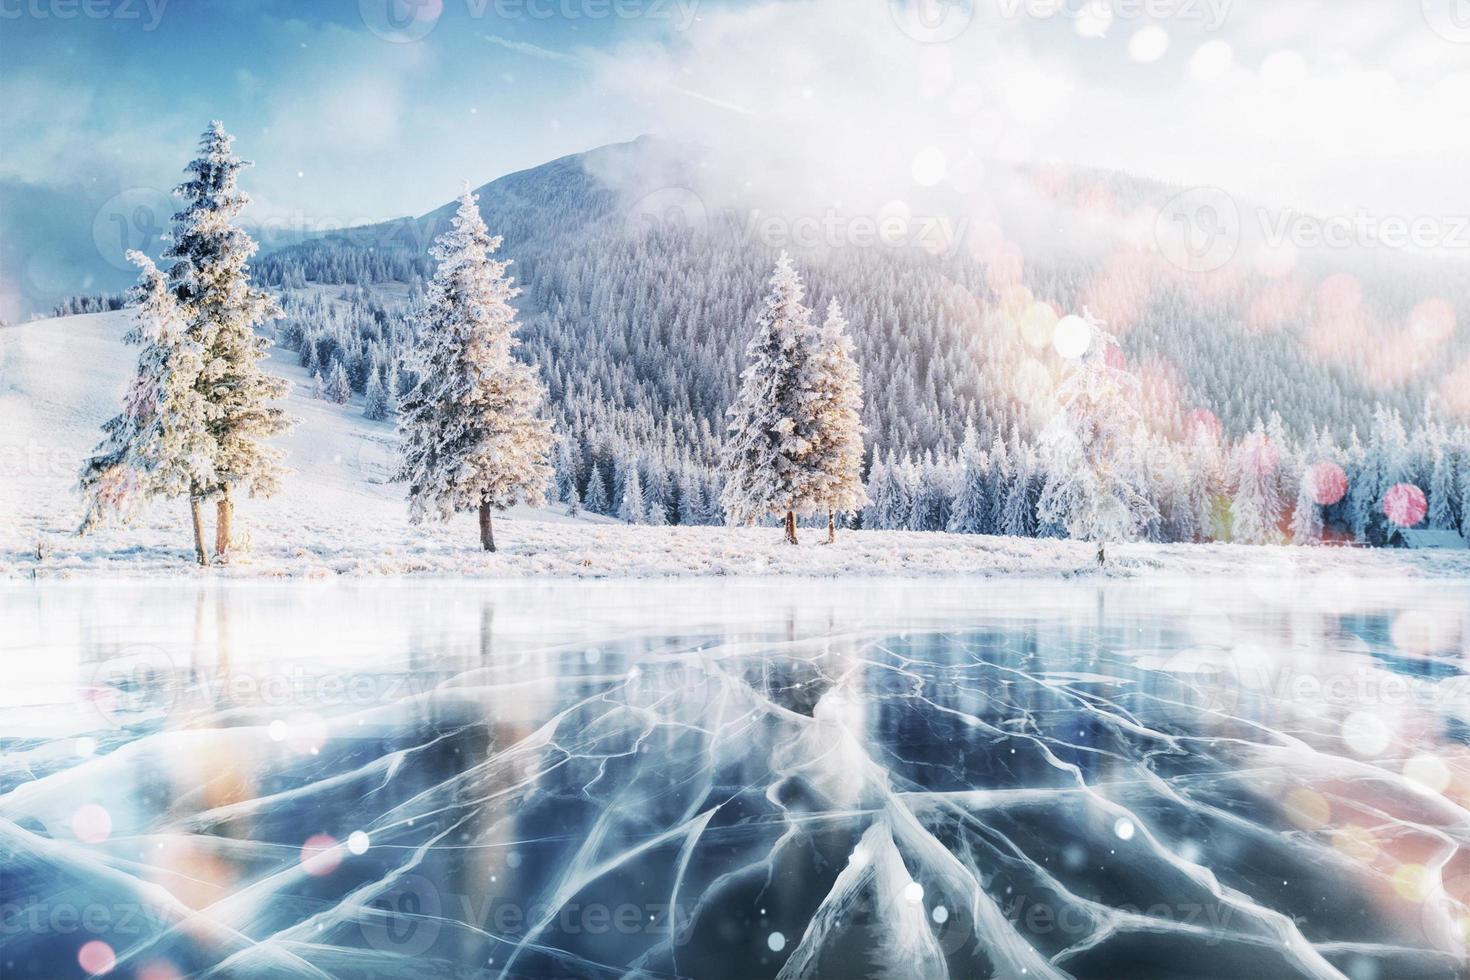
971,506
838,409
337,388
691,508
1443,489
210,277
1464,484
1205,483
933,496
597,500
159,445
658,513
882,496
377,402
631,508
1363,482
1306,515
1090,450
1018,517
1171,481
770,457
1256,506
564,470
472,438
1000,483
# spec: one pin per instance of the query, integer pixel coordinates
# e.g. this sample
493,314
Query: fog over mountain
641,263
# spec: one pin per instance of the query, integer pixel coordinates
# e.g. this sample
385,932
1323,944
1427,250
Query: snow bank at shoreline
536,548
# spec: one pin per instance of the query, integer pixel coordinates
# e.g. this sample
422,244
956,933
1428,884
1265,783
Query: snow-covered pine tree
933,496
1255,509
839,408
1288,466
1363,482
971,506
658,513
376,403
691,500
210,277
1090,452
565,470
1205,478
338,388
1018,520
472,439
1000,486
1465,495
1306,517
881,494
159,445
769,457
632,509
597,500
1443,493
1171,482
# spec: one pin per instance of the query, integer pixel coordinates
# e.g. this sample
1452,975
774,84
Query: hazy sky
361,109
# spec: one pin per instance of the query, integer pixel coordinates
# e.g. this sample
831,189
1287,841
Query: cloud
1357,108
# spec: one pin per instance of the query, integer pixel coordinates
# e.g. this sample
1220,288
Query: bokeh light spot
1072,337
96,957
320,855
92,824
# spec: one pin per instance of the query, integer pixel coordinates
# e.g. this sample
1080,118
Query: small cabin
1422,540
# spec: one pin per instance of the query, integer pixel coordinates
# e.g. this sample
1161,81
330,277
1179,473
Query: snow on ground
338,515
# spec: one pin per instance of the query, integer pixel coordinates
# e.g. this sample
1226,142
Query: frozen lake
736,779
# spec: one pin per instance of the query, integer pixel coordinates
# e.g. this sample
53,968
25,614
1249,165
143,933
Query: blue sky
337,118
1332,105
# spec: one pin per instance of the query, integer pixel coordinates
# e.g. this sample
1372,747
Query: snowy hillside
60,379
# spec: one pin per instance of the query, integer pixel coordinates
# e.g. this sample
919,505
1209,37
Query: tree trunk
790,527
831,527
224,509
198,518
487,527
